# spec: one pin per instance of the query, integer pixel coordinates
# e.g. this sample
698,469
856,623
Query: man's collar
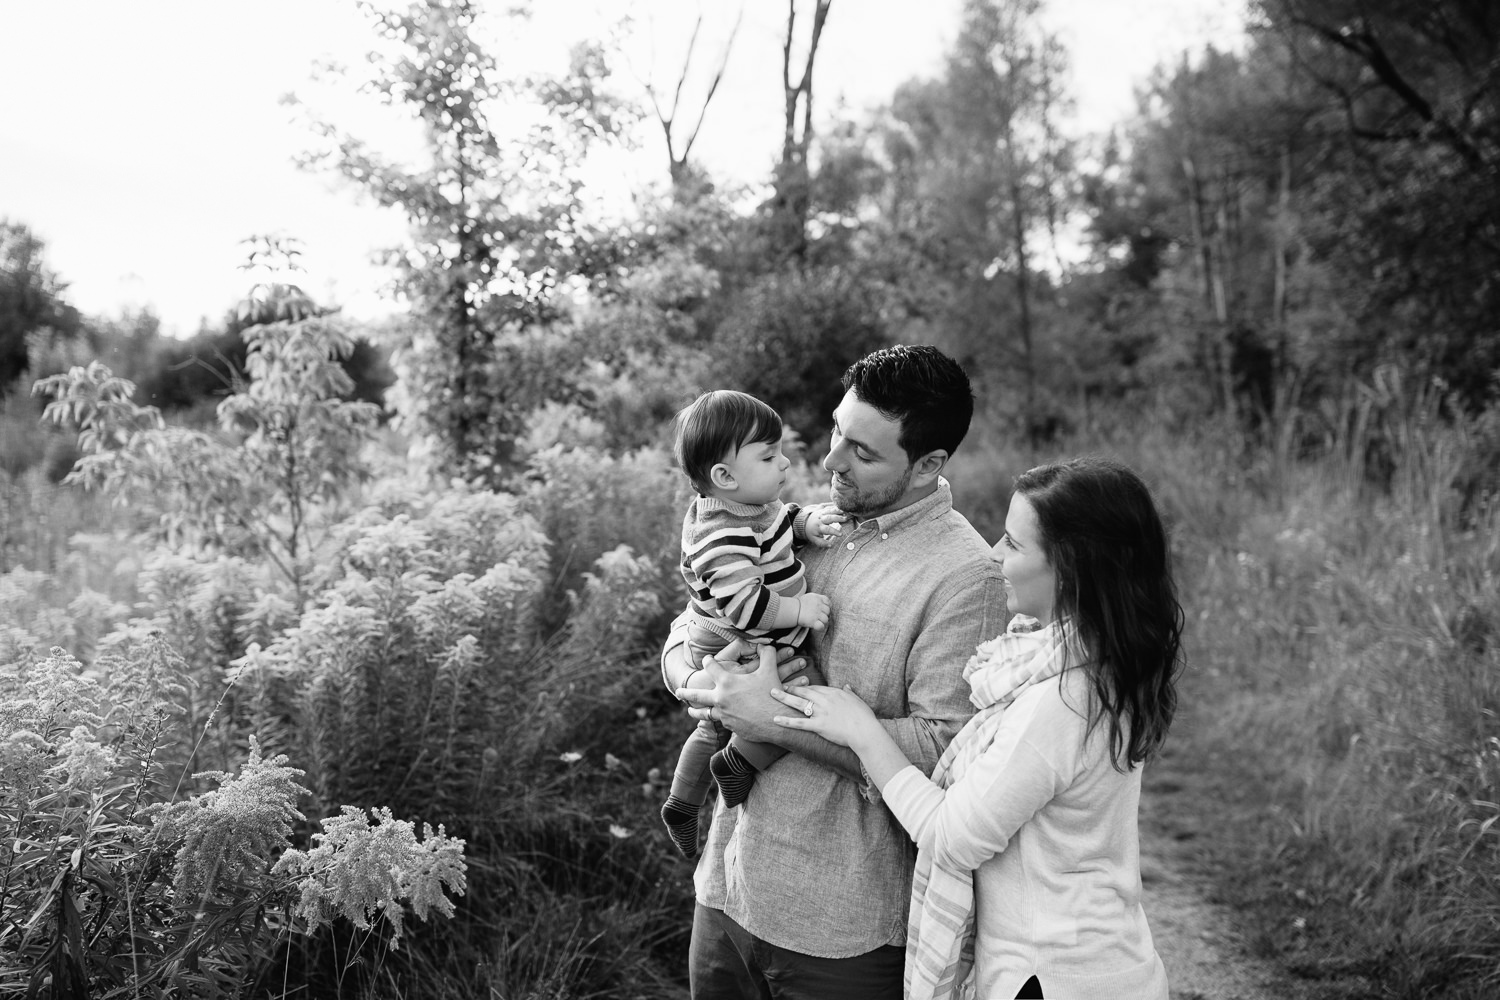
934,504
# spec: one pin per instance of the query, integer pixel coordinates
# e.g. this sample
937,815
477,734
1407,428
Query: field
484,660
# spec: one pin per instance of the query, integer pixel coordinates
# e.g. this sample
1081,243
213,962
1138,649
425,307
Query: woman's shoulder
1055,710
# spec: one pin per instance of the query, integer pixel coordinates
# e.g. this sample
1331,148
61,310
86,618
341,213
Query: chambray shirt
809,862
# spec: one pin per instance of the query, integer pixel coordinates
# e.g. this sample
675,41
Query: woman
1028,868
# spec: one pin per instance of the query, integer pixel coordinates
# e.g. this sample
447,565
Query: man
802,891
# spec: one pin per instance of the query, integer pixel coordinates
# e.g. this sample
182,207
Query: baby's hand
824,523
812,611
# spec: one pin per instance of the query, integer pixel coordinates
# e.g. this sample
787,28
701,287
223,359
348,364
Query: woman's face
1030,581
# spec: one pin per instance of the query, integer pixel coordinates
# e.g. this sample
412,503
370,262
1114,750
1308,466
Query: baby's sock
735,775
681,818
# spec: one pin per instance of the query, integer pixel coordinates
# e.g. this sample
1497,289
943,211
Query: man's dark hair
921,387
717,424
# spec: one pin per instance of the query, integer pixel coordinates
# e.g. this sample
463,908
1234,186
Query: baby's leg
692,777
735,766
690,784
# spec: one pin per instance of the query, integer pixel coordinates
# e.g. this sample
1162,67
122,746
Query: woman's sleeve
1029,764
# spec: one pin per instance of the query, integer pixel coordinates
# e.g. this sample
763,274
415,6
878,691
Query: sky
144,141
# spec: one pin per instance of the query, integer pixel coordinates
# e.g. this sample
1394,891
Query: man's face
871,473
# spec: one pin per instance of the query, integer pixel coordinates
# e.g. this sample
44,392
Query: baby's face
758,471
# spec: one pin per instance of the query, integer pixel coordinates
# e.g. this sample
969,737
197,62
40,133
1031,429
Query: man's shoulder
954,536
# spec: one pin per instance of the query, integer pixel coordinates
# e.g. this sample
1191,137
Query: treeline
42,334
1274,225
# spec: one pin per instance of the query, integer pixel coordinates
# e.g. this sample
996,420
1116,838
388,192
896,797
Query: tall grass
1345,640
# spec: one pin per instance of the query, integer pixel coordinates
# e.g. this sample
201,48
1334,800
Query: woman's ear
721,477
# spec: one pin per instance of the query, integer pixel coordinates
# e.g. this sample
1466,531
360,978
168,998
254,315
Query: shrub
789,337
111,885
590,502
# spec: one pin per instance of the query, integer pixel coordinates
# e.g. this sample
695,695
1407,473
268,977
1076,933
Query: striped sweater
739,564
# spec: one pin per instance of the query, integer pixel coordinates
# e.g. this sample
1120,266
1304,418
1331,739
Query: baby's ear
721,477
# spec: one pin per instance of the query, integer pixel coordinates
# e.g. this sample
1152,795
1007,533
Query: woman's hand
838,715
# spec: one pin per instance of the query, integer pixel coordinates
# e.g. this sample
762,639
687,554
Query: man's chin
845,500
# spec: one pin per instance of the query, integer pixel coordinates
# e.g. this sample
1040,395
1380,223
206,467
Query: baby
744,578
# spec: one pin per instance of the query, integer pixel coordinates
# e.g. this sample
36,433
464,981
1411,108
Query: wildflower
23,759
617,831
228,836
359,870
570,757
611,762
84,760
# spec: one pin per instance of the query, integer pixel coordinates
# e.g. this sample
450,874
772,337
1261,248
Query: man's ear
926,469
721,477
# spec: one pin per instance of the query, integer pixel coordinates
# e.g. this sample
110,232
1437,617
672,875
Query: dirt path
1205,956
1201,941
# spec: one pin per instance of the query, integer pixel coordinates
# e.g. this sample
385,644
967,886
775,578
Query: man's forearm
921,740
820,751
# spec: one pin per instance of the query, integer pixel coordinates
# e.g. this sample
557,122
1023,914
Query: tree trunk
793,196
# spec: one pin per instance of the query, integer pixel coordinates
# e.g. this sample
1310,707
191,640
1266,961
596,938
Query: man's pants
727,962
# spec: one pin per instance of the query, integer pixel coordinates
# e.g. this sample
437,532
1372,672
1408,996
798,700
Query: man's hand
742,657
741,702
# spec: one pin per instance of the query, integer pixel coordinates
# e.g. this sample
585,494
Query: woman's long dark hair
1105,540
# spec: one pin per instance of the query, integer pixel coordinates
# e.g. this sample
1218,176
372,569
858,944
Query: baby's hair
716,425
1102,534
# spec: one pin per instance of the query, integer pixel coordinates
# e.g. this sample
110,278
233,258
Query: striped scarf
940,933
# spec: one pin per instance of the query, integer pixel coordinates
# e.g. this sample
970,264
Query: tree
496,226
789,203
31,300
1406,207
1196,214
1323,204
288,442
686,181
1007,68
976,181
790,336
